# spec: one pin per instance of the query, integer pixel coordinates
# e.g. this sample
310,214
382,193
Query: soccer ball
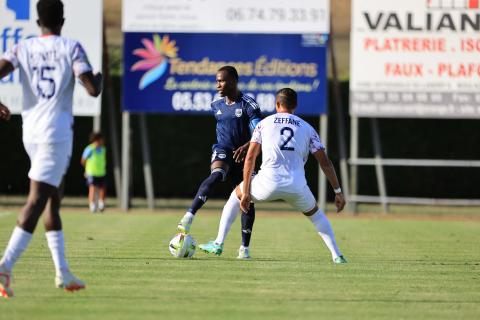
182,246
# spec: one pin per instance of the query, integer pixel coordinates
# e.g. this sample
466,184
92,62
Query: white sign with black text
416,59
227,16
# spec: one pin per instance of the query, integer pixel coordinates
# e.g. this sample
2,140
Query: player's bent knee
219,164
311,212
221,171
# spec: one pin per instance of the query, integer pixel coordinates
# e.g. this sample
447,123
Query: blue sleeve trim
251,102
253,123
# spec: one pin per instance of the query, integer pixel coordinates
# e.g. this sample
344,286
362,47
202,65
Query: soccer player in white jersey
48,65
285,141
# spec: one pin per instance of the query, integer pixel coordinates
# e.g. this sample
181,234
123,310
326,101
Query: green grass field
399,269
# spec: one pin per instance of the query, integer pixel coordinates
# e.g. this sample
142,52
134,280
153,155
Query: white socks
94,207
229,213
56,244
188,217
19,241
324,229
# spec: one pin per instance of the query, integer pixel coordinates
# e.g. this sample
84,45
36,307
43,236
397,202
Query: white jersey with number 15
286,143
48,66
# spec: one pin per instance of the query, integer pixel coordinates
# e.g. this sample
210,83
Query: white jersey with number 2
48,66
286,143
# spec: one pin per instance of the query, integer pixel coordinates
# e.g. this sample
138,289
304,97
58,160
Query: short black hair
287,97
231,71
95,136
50,13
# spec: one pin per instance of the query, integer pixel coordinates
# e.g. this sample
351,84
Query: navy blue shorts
235,170
96,181
220,154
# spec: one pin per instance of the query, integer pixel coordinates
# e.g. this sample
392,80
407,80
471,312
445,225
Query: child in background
94,159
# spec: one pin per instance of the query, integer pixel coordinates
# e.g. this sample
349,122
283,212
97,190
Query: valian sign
416,59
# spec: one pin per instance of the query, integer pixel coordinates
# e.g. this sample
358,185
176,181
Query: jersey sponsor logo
238,113
20,7
215,155
219,112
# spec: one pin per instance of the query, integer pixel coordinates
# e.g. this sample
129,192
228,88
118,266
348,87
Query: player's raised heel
5,279
67,281
340,260
244,253
212,247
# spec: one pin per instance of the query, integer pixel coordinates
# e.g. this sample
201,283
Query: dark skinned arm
240,152
92,83
6,67
4,112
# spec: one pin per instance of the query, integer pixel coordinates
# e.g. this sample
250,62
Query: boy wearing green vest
94,159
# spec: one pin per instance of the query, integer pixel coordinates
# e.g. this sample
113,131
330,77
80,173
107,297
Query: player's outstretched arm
92,83
4,112
6,67
248,167
329,171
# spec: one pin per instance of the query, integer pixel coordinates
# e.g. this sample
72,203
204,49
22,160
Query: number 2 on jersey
288,137
45,84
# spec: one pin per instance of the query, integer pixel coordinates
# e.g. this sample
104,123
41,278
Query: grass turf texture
398,269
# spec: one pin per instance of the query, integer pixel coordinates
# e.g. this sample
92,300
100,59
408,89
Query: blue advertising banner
175,72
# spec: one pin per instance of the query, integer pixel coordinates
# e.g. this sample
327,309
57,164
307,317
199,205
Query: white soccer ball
182,246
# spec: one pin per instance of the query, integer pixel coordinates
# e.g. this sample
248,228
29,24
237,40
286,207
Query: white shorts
49,161
264,190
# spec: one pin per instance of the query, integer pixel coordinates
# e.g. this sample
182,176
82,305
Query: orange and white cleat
5,279
67,281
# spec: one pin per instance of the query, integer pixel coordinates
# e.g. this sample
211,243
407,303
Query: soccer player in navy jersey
237,116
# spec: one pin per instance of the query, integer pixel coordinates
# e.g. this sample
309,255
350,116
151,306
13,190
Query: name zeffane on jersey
287,121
